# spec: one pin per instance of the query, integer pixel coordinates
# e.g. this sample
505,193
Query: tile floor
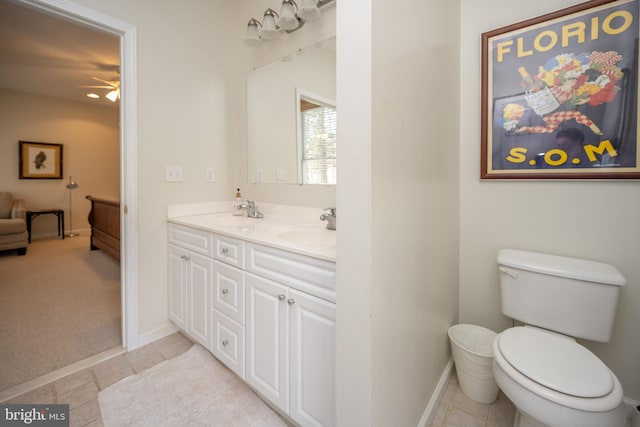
80,390
457,410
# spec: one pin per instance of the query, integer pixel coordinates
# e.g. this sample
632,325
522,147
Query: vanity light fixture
270,31
309,10
253,33
93,95
290,19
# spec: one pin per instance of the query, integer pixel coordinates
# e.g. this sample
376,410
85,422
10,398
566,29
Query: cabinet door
266,335
312,331
177,285
199,286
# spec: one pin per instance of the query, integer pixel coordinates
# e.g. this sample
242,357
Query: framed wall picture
560,95
40,160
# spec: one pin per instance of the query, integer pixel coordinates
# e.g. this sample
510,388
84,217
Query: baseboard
629,405
436,397
54,234
155,334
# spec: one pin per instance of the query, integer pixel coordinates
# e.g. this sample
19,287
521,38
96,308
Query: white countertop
291,228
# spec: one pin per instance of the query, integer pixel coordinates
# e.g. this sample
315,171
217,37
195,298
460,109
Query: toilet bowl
554,381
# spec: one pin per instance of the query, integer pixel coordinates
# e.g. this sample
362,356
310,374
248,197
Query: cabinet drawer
229,250
312,275
228,342
195,240
228,292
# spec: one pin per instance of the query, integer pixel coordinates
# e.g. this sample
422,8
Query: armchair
13,225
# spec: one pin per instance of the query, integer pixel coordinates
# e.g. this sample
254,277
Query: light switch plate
281,175
258,175
173,173
211,175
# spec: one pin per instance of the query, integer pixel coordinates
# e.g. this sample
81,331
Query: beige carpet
60,303
193,389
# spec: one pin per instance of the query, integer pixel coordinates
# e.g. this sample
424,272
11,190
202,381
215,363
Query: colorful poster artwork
560,95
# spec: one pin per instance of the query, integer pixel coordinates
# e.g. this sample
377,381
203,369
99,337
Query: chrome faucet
250,207
330,218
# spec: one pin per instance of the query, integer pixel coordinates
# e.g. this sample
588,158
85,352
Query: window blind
318,145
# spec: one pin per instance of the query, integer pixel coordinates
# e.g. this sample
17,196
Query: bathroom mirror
279,97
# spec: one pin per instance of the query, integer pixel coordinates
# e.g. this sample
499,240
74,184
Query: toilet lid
556,362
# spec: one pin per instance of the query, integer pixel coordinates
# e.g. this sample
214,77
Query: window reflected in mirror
316,139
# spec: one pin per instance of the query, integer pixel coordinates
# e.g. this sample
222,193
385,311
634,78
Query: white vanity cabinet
190,278
229,309
312,356
268,314
290,335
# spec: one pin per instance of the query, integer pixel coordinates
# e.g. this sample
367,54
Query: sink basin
309,236
229,220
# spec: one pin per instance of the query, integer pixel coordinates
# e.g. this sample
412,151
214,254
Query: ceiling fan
113,85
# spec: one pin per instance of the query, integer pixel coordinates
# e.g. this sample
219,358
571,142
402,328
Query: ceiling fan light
113,95
269,29
288,19
309,10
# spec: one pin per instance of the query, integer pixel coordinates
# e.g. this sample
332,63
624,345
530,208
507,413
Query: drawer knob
225,291
281,297
291,301
225,343
225,250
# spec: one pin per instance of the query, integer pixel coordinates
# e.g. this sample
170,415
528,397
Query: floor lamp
72,185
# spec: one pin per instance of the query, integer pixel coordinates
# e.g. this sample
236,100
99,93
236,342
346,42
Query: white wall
415,202
183,103
593,220
90,153
398,198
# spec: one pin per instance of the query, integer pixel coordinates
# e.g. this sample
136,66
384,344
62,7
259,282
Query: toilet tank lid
555,265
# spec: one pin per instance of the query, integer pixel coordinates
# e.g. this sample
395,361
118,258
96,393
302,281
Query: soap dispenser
237,210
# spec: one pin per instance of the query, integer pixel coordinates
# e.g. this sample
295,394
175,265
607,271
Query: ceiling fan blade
102,80
112,84
98,87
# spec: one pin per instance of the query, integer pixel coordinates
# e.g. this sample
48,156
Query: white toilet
550,378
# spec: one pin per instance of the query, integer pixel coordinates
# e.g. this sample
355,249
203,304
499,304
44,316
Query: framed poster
560,95
40,160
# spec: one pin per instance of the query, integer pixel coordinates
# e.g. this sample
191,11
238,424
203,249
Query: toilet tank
575,297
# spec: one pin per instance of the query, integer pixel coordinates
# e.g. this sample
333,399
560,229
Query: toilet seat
607,402
556,362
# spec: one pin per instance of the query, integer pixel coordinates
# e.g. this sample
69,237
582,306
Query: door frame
128,148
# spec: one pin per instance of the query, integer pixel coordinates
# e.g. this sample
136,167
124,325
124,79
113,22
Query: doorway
128,147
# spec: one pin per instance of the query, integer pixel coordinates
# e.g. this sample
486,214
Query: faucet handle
331,210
